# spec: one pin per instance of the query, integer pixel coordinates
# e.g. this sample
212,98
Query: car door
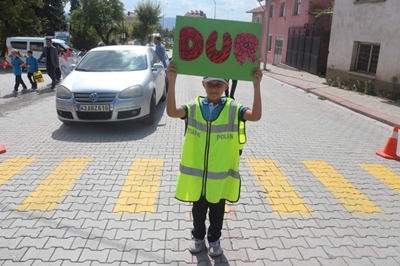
159,75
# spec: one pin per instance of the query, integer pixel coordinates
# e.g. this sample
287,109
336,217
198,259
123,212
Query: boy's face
215,89
30,54
14,54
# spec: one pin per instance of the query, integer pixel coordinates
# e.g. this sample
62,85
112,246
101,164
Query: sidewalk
383,110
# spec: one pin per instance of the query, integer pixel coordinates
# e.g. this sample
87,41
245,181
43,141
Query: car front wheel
152,114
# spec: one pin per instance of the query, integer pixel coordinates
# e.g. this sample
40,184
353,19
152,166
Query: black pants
18,81
215,215
233,89
51,71
32,80
58,73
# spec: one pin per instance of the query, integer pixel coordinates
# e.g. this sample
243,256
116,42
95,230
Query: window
367,58
270,43
37,46
271,12
282,9
258,19
19,45
296,10
155,56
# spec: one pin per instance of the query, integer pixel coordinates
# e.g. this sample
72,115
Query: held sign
217,48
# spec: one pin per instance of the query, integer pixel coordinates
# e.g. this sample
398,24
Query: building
196,13
129,18
257,14
365,43
296,37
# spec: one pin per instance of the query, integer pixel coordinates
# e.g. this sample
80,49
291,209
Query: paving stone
64,243
65,254
294,242
361,262
260,254
290,253
45,263
332,262
97,255
309,253
69,263
13,263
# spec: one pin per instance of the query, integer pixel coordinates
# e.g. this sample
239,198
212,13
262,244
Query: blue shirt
17,62
210,111
160,51
32,62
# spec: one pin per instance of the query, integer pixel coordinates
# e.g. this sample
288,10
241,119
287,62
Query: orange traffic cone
389,152
2,149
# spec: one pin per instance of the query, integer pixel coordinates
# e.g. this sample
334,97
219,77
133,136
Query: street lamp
227,12
215,9
268,26
164,14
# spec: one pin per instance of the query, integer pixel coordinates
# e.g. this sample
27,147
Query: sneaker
15,92
215,249
197,246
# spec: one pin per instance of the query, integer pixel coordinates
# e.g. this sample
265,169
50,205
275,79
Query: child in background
16,63
32,67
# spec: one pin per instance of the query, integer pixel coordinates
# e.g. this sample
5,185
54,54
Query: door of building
278,50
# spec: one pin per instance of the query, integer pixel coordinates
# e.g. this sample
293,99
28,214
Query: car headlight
63,93
131,92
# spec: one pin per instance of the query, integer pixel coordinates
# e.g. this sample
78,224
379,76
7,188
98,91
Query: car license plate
94,108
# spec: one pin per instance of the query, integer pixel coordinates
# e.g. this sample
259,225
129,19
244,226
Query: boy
16,63
209,170
32,67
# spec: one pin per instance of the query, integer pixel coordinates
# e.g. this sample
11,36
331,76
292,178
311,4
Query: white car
113,83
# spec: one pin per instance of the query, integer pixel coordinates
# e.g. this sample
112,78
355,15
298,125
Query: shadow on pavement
204,260
390,102
108,132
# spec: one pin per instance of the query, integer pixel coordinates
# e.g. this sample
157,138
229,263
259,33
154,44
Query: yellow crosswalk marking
352,199
390,178
141,187
13,166
280,193
53,188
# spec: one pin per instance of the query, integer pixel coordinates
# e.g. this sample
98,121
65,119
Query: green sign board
217,48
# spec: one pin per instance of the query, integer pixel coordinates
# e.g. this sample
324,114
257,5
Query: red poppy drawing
245,46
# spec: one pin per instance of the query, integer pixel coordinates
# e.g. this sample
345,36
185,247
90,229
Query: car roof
121,47
33,39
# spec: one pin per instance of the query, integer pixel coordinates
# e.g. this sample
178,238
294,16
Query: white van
35,44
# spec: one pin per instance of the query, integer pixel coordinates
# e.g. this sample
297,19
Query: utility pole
227,12
215,9
267,37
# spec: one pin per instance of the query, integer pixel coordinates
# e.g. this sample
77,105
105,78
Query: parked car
113,83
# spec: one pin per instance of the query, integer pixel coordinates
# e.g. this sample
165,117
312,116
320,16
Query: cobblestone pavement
313,190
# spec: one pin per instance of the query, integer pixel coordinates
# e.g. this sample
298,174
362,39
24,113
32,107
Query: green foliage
326,11
148,13
104,16
83,35
18,18
52,14
368,87
75,4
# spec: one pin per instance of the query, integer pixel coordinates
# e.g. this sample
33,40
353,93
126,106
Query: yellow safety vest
210,156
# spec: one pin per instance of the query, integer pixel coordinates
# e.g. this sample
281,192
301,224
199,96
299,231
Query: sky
237,8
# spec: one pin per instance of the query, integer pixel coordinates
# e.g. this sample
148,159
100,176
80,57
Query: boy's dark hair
49,39
158,38
29,52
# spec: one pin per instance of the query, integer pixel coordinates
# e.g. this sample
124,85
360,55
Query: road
313,190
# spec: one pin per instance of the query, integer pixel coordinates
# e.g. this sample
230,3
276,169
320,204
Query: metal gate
278,50
304,48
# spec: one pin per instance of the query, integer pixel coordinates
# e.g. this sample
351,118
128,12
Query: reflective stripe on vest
211,175
210,155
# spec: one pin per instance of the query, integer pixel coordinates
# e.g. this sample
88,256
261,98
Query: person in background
160,51
52,63
82,53
16,63
31,67
233,88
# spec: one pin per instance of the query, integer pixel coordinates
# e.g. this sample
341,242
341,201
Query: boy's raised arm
172,109
255,113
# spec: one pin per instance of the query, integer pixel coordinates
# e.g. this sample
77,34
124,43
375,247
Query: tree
83,35
327,11
104,16
52,14
18,17
75,4
148,13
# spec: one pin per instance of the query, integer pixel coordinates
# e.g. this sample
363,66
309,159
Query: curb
381,117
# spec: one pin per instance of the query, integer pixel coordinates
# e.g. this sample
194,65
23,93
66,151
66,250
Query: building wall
279,26
365,22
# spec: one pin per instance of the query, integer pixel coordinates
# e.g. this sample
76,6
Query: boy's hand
172,71
257,73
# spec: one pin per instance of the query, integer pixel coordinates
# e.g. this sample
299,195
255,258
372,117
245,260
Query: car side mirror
71,67
157,67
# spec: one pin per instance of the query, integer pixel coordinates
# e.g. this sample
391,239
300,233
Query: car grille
94,115
103,97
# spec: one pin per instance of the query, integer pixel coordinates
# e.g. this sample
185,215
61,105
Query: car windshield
113,60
